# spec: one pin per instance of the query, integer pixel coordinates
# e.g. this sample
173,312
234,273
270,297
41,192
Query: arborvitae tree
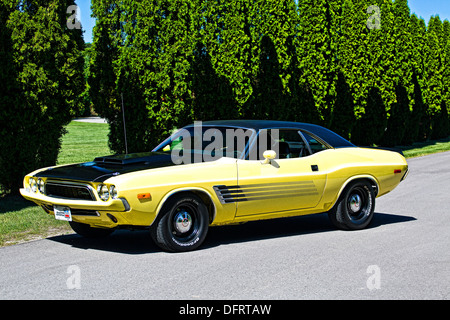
420,119
277,24
434,70
347,64
343,116
445,42
446,60
102,74
403,45
9,97
298,99
382,57
233,40
44,59
279,21
212,95
370,127
360,52
353,64
266,101
318,52
148,51
401,70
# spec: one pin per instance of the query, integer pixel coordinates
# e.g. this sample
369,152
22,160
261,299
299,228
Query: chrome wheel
183,222
359,204
355,203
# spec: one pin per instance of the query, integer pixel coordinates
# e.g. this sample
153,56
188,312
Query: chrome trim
318,139
405,175
125,204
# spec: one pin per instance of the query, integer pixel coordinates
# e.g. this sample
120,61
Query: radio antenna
124,126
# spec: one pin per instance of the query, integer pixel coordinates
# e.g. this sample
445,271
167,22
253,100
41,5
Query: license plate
62,213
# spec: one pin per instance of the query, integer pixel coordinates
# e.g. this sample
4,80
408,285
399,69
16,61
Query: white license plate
62,213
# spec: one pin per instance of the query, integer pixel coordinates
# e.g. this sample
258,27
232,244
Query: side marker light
141,196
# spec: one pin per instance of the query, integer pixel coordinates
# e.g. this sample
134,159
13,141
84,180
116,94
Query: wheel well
206,199
374,186
372,182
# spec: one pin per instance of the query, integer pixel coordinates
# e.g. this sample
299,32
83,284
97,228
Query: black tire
355,208
182,224
87,231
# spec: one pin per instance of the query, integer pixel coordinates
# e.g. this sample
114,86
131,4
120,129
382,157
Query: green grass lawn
419,149
83,142
21,220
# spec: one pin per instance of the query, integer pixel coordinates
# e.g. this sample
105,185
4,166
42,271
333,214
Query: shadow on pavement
140,242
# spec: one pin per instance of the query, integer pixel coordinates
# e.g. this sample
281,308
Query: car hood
103,168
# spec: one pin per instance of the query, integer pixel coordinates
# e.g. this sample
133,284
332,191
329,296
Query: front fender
197,190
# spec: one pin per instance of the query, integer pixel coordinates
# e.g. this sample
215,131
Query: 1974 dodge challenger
218,173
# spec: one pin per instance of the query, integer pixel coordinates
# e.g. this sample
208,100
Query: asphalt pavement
404,254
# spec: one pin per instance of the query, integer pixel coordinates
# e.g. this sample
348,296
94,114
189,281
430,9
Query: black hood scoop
103,168
134,158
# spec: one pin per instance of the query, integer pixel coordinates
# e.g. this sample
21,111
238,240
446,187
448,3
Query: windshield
204,143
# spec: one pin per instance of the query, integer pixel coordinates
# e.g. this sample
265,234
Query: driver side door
292,181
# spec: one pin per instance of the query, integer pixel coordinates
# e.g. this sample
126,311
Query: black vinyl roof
328,136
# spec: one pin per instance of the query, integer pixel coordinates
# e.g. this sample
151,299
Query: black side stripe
231,194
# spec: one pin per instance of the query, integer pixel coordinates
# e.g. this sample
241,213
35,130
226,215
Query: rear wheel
182,224
354,209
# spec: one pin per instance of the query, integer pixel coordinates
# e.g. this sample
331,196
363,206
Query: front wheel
182,224
355,208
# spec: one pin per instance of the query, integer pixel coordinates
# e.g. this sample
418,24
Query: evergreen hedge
41,76
367,69
374,76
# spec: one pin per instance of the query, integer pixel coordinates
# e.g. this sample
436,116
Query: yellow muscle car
218,173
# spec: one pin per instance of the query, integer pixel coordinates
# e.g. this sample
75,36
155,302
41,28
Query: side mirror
269,155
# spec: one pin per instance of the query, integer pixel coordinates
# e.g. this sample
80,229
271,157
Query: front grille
69,191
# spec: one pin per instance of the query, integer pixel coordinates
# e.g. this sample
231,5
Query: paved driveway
403,255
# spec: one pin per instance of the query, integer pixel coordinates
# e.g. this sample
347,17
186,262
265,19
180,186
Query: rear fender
372,180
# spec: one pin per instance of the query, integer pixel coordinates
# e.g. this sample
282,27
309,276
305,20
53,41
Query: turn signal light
141,196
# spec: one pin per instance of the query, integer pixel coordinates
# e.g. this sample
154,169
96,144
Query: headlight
33,184
113,192
103,192
41,186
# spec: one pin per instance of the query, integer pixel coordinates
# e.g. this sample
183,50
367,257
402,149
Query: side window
287,143
315,145
291,144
